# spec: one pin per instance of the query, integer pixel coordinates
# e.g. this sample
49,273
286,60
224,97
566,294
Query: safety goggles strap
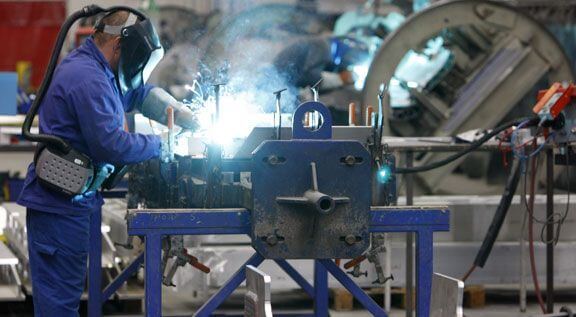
117,29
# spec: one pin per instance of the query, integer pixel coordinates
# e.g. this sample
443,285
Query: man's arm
152,102
104,133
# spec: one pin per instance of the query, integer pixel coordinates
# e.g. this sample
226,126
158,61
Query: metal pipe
217,110
171,135
387,272
368,119
278,95
323,203
314,176
550,230
523,255
409,239
352,114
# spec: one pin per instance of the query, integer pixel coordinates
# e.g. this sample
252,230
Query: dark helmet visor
141,52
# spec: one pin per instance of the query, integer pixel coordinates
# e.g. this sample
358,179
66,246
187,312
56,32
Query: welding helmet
347,52
141,50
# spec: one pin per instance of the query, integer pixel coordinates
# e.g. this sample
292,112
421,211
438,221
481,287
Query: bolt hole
312,121
326,204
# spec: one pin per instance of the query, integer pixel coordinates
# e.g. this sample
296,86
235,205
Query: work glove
185,118
156,103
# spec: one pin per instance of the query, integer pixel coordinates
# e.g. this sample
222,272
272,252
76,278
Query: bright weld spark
239,114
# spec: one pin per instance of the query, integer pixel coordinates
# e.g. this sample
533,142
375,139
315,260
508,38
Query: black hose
501,212
85,12
473,146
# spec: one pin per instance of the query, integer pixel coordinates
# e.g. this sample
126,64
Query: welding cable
531,198
500,215
498,220
515,148
551,221
473,146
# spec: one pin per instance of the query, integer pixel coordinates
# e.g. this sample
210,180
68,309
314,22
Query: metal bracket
323,132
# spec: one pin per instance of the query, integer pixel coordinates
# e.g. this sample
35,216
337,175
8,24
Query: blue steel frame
154,224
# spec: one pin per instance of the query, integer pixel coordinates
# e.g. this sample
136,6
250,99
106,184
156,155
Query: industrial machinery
470,67
488,56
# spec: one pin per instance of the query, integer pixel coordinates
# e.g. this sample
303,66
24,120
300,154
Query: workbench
152,225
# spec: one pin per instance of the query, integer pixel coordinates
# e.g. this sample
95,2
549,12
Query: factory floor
175,304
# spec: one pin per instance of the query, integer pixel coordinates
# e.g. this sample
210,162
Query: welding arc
473,146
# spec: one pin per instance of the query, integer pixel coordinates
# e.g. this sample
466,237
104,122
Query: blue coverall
84,107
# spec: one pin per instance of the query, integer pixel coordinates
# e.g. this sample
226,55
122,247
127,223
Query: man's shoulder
79,70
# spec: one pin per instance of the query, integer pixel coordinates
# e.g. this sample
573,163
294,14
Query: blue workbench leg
237,278
95,265
153,275
424,271
121,278
320,290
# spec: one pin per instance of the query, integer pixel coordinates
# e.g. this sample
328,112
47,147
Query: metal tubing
153,274
368,116
354,289
523,255
297,277
409,178
130,270
387,272
320,289
352,114
95,265
217,299
278,95
550,231
424,271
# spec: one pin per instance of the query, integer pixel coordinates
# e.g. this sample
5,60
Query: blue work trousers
58,247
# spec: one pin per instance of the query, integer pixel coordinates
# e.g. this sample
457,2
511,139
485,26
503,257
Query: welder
306,61
85,105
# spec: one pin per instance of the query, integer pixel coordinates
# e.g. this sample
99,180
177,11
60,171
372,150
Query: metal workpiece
447,296
311,204
258,298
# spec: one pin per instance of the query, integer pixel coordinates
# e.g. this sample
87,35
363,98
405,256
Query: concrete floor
499,310
175,304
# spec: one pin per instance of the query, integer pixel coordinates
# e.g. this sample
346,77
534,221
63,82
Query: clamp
173,246
372,256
